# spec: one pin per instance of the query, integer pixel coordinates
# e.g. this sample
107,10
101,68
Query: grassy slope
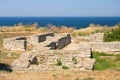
106,61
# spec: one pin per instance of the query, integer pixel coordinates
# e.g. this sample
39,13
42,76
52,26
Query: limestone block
88,63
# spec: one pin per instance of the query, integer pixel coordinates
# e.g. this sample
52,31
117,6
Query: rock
89,63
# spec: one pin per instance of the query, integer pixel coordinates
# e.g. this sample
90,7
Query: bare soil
61,75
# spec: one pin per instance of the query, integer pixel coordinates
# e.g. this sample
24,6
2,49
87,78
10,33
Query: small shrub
74,60
59,63
112,35
65,67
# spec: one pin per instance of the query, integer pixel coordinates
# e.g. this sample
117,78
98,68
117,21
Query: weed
59,63
65,67
74,60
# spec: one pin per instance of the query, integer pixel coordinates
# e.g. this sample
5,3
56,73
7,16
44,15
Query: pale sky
58,8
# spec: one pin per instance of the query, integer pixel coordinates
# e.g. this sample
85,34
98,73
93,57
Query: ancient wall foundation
96,43
112,47
55,60
33,40
97,37
14,44
21,43
50,51
48,54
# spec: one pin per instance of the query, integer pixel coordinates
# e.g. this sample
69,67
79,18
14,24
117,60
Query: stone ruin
50,52
49,40
96,43
16,43
57,51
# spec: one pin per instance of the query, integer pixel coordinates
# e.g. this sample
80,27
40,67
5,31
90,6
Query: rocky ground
62,75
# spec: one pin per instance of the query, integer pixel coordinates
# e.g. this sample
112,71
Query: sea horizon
69,21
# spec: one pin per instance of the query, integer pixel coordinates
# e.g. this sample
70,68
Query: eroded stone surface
48,53
61,48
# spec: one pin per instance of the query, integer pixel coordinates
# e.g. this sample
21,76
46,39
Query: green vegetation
112,35
65,67
106,61
59,63
74,60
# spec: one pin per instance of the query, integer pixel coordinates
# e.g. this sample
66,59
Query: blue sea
76,22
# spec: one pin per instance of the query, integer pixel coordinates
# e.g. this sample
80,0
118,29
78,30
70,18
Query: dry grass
92,29
7,57
30,28
62,75
22,29
60,29
16,28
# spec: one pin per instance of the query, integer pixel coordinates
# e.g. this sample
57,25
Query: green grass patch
65,67
59,63
106,61
74,60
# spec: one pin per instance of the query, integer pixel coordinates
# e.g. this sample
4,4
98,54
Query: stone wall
57,42
53,43
49,60
72,59
21,43
113,47
96,37
43,37
14,44
33,40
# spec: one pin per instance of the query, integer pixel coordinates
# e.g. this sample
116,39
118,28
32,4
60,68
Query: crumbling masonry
51,49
